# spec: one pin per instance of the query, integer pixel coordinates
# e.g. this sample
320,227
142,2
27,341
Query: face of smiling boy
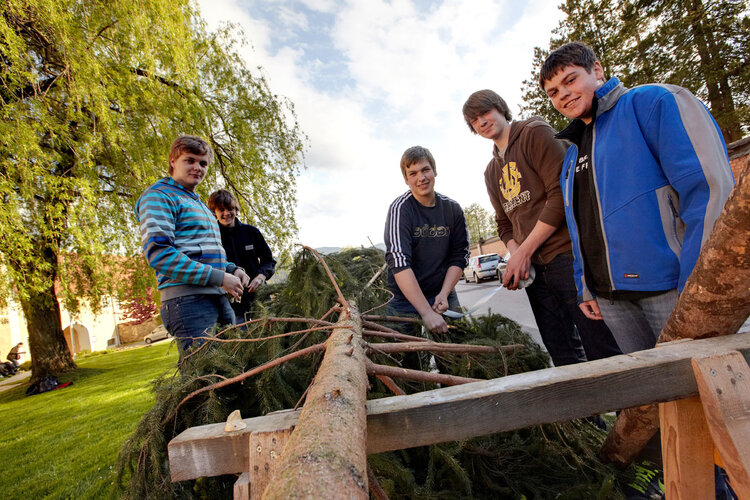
572,89
420,177
189,169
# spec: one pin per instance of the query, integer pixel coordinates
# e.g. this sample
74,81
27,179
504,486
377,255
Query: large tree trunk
326,455
715,301
714,72
47,346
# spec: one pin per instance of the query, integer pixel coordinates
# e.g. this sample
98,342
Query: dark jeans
400,306
567,334
187,318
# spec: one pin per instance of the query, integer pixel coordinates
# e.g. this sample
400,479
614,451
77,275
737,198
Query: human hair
222,199
189,144
570,54
415,154
481,102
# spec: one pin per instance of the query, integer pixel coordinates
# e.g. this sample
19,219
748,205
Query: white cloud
402,78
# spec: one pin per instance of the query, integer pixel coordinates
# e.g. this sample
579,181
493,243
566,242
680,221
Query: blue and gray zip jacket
661,177
181,241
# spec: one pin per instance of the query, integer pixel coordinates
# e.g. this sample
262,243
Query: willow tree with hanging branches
91,96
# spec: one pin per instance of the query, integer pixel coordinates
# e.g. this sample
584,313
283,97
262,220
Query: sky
371,78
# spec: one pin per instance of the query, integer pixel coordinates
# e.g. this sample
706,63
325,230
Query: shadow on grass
77,376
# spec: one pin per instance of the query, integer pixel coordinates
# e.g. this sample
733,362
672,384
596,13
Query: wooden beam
486,407
724,385
241,488
265,456
687,450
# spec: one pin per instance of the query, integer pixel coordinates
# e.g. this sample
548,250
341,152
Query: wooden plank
265,454
687,450
486,407
208,450
242,487
724,385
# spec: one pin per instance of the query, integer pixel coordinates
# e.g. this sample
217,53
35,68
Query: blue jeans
569,336
636,324
187,318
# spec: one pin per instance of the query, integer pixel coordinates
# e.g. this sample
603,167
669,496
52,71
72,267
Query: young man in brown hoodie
523,182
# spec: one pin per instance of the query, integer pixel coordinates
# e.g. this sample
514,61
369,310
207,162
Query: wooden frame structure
690,378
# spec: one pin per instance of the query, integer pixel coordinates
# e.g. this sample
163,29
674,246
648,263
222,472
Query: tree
700,45
480,223
91,95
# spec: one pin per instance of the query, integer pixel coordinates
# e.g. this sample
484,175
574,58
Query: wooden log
326,453
242,487
687,450
714,302
724,386
265,455
498,405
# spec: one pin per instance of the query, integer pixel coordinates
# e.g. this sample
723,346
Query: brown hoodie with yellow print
523,182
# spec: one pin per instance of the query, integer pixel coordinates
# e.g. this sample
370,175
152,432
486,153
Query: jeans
636,324
567,334
187,318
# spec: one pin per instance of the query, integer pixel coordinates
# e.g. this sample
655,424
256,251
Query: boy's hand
233,285
242,275
256,282
590,309
440,305
516,270
435,322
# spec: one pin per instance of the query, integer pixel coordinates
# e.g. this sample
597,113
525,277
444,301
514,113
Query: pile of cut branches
294,317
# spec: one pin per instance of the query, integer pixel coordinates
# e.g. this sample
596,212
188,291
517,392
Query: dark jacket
246,247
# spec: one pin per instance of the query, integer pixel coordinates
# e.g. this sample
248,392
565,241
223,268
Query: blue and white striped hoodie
181,241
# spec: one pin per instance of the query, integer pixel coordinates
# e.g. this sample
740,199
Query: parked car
483,266
157,333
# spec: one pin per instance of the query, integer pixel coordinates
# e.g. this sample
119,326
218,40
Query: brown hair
415,154
570,54
189,144
222,199
481,102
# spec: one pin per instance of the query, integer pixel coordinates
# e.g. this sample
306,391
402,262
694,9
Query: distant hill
329,250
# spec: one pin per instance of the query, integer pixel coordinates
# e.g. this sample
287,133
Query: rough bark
49,351
326,454
715,301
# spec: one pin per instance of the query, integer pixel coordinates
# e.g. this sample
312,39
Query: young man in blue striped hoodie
182,243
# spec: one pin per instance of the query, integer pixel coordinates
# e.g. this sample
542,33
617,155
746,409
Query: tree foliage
480,223
91,95
698,44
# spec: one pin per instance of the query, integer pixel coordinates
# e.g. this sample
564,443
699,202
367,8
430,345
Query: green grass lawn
64,443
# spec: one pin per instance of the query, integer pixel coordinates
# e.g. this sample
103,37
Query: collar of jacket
607,96
171,182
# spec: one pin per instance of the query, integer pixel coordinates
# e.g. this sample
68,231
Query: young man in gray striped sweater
182,243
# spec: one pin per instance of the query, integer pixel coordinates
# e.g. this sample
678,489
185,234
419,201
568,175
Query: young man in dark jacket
244,245
522,181
427,244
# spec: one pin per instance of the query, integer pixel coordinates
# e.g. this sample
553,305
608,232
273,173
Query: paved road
511,304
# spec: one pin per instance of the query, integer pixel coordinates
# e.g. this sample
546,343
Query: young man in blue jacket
645,179
181,242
